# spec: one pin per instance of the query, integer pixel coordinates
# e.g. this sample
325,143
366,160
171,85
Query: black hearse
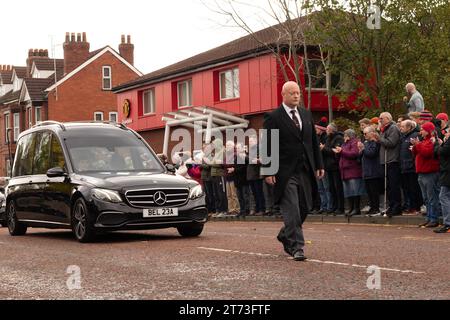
93,177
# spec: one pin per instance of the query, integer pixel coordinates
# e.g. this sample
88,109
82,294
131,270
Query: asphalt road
230,260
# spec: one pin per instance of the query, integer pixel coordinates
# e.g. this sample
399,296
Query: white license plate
160,212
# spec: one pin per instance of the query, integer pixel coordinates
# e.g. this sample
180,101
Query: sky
163,32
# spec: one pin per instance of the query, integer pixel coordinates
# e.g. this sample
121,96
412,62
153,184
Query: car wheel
192,230
82,226
14,226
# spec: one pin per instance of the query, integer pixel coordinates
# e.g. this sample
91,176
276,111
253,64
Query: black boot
356,206
352,205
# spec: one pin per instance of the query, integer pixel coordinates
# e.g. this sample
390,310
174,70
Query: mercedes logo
160,198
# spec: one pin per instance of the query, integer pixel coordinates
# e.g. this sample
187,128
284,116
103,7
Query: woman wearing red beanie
427,167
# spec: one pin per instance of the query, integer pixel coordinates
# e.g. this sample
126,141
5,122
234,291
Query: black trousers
411,190
336,189
374,188
209,192
220,194
393,188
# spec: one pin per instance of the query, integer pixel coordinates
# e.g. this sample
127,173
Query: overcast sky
163,32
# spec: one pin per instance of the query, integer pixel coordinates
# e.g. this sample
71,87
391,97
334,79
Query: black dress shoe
299,256
285,246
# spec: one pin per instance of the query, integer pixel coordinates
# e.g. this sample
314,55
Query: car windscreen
110,151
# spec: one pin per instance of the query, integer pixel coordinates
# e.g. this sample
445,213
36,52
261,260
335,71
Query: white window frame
106,77
30,116
152,101
38,115
233,81
95,115
114,113
7,119
188,83
16,126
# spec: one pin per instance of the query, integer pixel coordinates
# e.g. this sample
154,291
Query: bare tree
286,21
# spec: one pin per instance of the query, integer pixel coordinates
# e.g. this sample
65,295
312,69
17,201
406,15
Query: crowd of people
406,162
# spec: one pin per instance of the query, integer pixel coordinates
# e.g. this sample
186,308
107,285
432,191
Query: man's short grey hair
409,124
350,133
387,115
369,129
333,127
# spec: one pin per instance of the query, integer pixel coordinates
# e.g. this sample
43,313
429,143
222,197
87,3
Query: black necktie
295,119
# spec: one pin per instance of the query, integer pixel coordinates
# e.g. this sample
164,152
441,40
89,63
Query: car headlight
196,192
106,195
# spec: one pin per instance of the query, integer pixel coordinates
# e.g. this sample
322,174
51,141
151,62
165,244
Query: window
148,100
319,77
229,84
41,161
107,83
98,116
38,117
113,116
23,163
57,154
7,127
30,117
185,94
16,117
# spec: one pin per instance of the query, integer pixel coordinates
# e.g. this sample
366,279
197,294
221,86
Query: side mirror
56,172
170,168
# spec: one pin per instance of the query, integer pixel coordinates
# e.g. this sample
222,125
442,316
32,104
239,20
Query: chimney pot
84,37
67,37
72,37
78,37
128,39
30,52
122,39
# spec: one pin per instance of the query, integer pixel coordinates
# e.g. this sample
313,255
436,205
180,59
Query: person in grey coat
390,158
415,103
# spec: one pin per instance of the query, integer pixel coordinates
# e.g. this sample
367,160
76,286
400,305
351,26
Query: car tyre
82,226
191,230
15,228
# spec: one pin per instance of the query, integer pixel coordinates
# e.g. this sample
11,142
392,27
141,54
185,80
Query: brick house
76,88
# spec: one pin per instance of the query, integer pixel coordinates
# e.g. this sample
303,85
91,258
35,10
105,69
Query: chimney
126,49
34,54
76,51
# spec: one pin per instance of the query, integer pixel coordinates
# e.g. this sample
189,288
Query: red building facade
239,77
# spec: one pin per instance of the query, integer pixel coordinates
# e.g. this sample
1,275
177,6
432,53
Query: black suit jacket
291,141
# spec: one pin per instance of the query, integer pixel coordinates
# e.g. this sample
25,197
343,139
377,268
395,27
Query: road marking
309,260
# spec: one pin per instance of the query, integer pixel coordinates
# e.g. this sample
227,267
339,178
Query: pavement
361,219
231,260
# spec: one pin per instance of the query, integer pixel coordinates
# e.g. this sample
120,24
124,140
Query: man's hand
405,99
320,173
271,180
321,146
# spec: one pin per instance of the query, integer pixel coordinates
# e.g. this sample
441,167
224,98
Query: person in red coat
427,168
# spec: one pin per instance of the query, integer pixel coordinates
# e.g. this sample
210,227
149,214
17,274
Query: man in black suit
300,162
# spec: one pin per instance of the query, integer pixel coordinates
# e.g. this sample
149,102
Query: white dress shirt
288,111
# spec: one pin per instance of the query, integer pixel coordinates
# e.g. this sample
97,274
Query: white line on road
310,260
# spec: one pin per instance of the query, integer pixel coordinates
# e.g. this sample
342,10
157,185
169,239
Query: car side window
57,154
23,163
41,161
